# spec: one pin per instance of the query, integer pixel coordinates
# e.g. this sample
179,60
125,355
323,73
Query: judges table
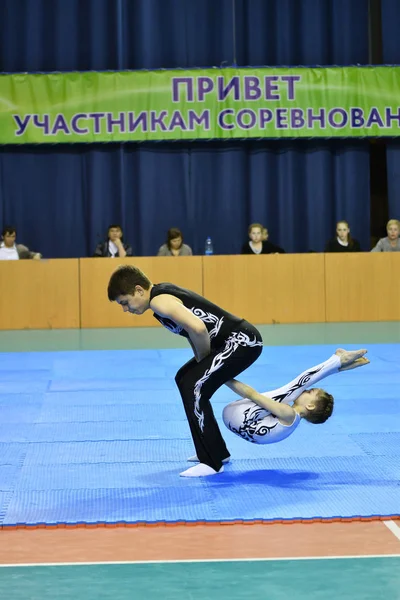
279,288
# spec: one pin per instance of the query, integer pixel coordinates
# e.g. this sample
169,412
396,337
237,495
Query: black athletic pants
198,381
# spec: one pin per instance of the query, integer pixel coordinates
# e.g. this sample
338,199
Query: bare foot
351,359
357,363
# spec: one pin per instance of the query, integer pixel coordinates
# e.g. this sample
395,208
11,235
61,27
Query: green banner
199,104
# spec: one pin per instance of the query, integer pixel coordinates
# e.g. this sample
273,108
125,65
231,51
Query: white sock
200,470
196,460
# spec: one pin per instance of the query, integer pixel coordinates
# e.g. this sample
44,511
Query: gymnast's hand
351,359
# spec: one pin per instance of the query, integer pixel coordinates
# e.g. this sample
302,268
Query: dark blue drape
305,32
393,175
62,198
298,191
391,55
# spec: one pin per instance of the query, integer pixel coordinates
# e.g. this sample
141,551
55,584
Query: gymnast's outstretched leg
261,418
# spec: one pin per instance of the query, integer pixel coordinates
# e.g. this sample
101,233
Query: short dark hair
8,229
323,408
116,226
173,234
124,280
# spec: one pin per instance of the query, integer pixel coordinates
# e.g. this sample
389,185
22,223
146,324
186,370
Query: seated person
258,245
343,242
174,245
114,245
9,250
391,243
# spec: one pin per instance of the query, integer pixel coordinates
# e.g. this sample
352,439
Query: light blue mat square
109,505
110,412
102,384
103,398
12,454
5,498
15,432
9,477
96,475
378,444
69,453
112,430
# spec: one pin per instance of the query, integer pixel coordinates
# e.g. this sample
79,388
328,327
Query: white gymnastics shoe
201,470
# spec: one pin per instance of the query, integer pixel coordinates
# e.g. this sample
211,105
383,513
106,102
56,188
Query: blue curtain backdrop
62,198
391,55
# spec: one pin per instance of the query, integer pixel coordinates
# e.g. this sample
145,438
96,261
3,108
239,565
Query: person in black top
258,243
224,345
343,241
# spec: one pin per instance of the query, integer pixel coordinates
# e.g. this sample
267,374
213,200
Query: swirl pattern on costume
301,382
236,339
170,325
207,317
253,425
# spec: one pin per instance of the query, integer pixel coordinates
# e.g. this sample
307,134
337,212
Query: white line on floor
394,528
200,560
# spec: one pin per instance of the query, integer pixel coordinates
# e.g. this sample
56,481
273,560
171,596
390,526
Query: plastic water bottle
208,250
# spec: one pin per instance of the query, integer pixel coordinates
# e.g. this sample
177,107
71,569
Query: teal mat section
156,337
327,579
101,436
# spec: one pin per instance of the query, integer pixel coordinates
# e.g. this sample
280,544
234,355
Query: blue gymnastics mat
101,437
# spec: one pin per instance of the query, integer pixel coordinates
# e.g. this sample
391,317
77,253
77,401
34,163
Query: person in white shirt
273,416
9,250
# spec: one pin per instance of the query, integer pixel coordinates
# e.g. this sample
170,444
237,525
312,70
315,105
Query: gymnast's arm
168,306
284,412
